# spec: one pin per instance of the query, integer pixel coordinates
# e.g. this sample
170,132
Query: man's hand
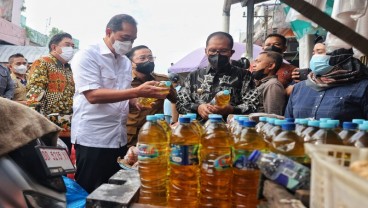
295,75
224,111
149,89
135,104
204,110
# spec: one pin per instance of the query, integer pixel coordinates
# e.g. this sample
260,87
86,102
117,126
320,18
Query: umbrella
198,59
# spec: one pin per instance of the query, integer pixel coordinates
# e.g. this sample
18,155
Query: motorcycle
31,165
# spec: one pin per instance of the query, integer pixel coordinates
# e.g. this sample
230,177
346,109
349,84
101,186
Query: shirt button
320,95
340,98
316,106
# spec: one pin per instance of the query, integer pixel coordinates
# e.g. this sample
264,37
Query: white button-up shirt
99,125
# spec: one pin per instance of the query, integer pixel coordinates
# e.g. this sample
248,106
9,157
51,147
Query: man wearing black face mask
142,71
271,92
201,85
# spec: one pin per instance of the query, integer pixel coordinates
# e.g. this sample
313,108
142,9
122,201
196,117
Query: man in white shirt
102,75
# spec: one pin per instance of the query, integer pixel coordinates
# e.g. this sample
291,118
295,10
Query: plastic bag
75,195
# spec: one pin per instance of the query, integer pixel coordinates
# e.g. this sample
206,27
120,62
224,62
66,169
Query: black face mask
146,67
218,61
273,48
258,75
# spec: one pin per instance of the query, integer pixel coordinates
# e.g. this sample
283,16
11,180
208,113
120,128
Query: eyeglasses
149,58
222,51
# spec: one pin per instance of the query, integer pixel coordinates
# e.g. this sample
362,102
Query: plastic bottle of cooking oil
152,159
161,120
196,124
184,166
216,172
246,175
326,135
360,139
222,98
147,102
349,129
289,144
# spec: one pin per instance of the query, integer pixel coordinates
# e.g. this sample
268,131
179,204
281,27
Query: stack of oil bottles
219,164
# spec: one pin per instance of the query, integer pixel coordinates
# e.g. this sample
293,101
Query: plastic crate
332,183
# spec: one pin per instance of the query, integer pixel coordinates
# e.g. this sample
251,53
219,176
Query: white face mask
22,69
122,48
67,53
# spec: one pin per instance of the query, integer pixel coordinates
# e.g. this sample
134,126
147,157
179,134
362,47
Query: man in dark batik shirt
201,86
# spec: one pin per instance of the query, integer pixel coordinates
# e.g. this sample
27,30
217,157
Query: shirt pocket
108,79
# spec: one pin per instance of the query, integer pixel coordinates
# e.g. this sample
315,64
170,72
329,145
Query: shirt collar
103,47
268,78
151,77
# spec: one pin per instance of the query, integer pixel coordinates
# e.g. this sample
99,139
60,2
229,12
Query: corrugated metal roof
31,53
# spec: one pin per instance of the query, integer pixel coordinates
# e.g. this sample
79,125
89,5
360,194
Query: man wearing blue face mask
143,66
336,88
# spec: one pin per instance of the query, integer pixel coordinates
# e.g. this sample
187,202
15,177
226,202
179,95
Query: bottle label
292,175
184,154
222,163
241,161
147,151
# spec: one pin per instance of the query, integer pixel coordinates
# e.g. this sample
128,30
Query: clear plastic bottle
184,166
147,102
266,129
216,171
313,127
282,170
245,175
222,98
239,127
209,118
262,122
360,139
152,159
349,129
276,130
303,124
326,135
196,124
289,144
162,121
336,124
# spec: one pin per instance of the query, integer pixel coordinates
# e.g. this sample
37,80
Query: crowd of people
93,94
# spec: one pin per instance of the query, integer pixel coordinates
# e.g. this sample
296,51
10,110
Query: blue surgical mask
319,64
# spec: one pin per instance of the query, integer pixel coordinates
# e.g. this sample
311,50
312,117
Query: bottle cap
184,119
334,122
303,121
215,119
325,125
291,120
151,118
271,120
358,121
167,83
365,122
279,122
313,123
243,118
192,116
160,116
248,123
262,118
253,157
324,119
363,127
288,126
213,116
226,92
349,125
296,121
